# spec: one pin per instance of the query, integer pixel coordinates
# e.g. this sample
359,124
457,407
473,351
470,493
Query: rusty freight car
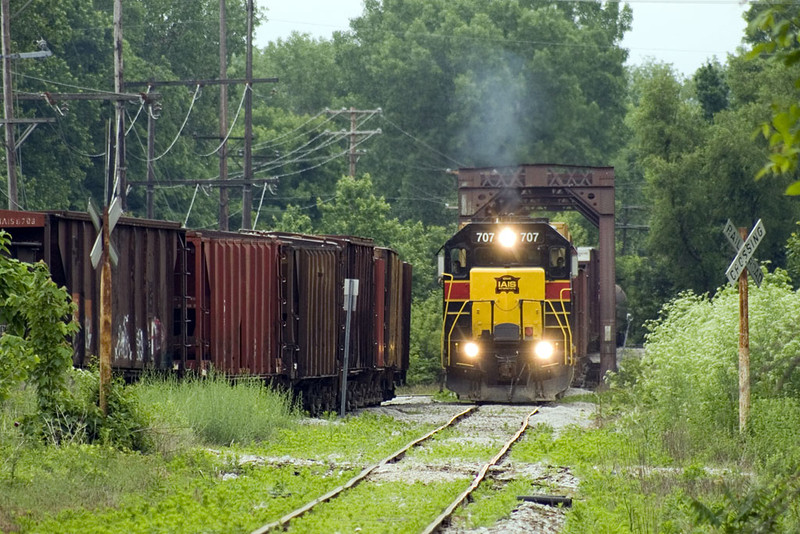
255,304
143,281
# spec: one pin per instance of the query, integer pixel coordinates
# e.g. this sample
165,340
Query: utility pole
8,107
744,347
354,134
151,154
119,109
224,181
148,99
247,190
353,155
118,173
223,115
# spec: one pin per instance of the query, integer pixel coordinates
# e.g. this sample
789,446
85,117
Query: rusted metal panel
142,282
234,295
142,296
586,316
406,317
21,219
380,311
311,306
357,263
320,300
393,325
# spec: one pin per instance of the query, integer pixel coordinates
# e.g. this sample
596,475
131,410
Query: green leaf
793,189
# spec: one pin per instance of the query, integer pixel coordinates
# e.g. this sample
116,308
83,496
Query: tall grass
213,410
679,410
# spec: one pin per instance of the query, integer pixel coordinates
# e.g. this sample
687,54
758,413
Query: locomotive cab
506,333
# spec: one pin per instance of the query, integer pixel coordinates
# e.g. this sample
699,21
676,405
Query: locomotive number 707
524,237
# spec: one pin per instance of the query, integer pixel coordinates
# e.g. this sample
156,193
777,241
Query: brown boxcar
394,277
356,261
586,321
143,282
255,304
232,303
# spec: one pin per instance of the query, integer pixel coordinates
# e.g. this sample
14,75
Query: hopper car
255,304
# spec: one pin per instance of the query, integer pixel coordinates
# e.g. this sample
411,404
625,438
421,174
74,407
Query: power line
421,142
235,118
180,131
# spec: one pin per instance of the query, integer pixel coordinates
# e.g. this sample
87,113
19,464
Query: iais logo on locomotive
507,284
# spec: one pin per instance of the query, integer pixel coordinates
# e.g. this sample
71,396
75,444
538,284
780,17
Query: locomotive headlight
471,349
544,350
507,237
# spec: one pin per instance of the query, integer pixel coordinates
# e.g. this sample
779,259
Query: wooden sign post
103,254
737,274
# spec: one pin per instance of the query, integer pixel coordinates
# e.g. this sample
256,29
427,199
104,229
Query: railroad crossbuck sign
744,252
114,213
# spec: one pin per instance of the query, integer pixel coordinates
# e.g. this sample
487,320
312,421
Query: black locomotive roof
552,236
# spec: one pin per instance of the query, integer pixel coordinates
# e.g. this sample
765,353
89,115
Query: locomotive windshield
507,257
490,245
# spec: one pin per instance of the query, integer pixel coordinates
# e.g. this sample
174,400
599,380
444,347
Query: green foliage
36,314
425,344
35,350
646,286
774,30
711,88
760,509
689,163
772,434
462,83
680,407
217,411
76,418
793,256
352,439
94,488
687,383
192,496
399,507
493,501
51,479
294,220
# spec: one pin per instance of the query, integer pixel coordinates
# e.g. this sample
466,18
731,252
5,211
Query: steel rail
283,521
434,526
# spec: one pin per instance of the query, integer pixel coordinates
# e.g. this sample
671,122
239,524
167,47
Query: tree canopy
427,86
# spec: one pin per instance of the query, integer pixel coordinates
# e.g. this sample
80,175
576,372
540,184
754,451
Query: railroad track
396,457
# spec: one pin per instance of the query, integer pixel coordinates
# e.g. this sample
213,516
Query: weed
388,508
216,411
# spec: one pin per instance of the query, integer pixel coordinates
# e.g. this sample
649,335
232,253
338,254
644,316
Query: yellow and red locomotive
506,332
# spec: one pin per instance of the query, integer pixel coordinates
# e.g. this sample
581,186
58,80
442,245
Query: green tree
774,31
356,209
426,339
711,88
308,77
667,131
464,83
793,256
690,164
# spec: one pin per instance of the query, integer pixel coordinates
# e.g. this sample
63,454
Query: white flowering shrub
686,386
